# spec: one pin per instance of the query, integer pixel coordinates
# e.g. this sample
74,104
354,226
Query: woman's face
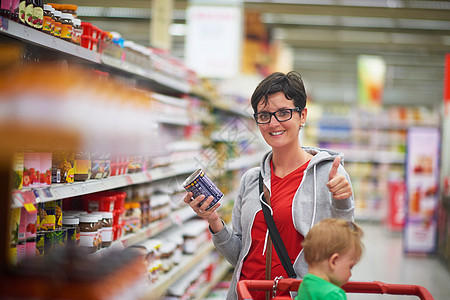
277,134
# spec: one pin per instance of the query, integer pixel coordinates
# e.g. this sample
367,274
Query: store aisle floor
385,261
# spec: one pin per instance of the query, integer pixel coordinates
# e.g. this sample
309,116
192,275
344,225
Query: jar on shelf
82,166
69,9
76,31
48,19
72,230
107,228
38,15
66,26
89,232
57,23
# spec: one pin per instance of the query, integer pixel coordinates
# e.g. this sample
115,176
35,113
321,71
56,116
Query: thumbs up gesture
338,185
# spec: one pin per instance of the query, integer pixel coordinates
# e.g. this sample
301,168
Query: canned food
200,184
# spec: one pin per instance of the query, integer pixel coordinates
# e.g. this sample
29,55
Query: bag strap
273,231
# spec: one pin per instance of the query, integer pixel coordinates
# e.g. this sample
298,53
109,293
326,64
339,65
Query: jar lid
135,205
107,215
66,16
88,219
97,215
70,220
69,6
58,13
47,7
77,22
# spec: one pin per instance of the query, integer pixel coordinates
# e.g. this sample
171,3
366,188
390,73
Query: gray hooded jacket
312,202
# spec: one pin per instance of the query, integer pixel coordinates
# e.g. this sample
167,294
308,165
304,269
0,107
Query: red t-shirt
282,193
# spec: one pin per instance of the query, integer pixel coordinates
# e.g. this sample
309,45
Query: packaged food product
17,178
89,232
47,20
107,228
62,166
57,23
76,31
66,26
72,230
82,166
200,184
70,9
38,14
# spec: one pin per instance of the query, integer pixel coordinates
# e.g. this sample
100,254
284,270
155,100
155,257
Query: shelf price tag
30,207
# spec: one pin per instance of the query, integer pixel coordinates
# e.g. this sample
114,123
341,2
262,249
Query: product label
89,239
40,245
76,35
38,16
82,166
29,14
57,29
22,6
107,234
47,24
66,31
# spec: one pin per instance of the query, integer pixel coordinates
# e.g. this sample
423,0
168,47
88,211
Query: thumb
334,167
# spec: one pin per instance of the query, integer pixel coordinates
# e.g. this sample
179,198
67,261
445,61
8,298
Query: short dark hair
291,84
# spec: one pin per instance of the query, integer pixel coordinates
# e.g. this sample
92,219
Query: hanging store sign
371,77
447,85
422,182
213,40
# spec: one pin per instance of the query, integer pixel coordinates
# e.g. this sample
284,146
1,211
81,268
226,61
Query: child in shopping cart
331,248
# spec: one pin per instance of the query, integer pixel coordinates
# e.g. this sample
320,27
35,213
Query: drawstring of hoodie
315,198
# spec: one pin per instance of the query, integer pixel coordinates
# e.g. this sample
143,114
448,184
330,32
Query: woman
306,185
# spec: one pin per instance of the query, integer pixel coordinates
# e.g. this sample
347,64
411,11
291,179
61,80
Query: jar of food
69,9
76,31
89,232
107,228
82,163
58,26
71,225
66,26
38,15
99,217
47,21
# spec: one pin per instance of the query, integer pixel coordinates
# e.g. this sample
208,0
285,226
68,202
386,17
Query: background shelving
183,114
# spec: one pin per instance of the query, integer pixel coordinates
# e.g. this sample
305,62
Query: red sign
396,212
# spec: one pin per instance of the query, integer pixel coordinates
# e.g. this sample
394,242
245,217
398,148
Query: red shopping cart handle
375,287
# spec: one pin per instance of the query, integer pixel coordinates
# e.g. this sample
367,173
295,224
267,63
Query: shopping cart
289,284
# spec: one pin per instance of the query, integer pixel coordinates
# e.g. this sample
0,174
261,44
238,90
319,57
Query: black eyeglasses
281,115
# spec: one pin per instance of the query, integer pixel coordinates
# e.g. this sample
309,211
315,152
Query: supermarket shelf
33,36
162,81
221,271
175,218
157,290
245,161
61,191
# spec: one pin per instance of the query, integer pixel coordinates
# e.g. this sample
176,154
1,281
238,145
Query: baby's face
343,270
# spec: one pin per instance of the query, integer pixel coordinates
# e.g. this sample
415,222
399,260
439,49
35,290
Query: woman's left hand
338,185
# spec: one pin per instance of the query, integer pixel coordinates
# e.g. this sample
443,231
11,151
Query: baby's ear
332,261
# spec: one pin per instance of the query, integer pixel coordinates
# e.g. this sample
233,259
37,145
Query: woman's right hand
210,215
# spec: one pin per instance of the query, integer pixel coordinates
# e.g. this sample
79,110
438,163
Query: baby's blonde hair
331,236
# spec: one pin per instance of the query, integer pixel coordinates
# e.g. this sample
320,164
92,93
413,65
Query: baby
331,248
